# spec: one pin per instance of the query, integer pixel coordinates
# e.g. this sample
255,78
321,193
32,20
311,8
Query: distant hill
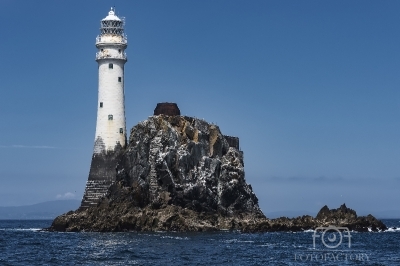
44,210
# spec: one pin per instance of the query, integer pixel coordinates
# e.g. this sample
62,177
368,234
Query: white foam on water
266,245
392,229
176,237
21,229
309,231
230,241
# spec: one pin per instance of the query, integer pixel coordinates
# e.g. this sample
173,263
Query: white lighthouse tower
110,135
111,57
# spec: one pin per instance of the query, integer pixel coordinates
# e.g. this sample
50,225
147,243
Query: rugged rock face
341,217
186,162
181,174
177,173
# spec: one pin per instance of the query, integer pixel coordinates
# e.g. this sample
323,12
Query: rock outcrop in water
180,173
341,217
177,173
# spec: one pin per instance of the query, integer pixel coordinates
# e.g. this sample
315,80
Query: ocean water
23,243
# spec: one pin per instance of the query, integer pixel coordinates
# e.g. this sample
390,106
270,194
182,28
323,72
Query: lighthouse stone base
101,176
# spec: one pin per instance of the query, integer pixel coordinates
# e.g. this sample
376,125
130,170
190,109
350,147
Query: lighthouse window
119,79
110,66
119,50
101,104
102,50
110,117
121,130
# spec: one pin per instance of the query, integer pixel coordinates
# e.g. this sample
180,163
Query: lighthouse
111,58
110,135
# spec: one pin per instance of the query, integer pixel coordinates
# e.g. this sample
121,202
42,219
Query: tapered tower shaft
111,58
110,135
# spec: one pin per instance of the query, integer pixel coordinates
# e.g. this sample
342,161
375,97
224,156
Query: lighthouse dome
111,16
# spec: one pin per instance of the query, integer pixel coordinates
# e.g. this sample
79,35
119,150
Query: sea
23,242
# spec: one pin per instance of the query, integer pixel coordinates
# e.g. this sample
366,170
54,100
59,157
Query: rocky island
180,173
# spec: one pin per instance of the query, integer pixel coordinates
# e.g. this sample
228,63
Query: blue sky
311,88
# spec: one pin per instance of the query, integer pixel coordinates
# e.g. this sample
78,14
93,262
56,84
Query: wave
393,229
21,229
235,240
176,237
390,229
